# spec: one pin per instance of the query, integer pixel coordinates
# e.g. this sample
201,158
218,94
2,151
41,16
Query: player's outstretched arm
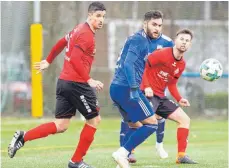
56,50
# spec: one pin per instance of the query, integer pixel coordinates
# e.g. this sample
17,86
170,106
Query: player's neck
90,25
177,54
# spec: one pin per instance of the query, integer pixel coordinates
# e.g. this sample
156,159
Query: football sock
86,138
160,130
139,136
124,129
182,139
41,131
128,134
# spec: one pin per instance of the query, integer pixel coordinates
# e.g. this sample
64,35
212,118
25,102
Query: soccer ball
211,69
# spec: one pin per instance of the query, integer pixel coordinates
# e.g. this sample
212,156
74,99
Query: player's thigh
120,96
64,108
84,98
158,117
166,107
180,117
139,110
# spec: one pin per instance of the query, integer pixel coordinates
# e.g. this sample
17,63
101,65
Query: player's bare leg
86,139
160,135
183,122
43,130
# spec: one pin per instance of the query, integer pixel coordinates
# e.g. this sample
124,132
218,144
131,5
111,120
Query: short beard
181,51
148,31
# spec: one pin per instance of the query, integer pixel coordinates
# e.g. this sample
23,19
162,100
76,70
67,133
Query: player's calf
16,143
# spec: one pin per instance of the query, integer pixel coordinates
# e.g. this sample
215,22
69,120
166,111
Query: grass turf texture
208,145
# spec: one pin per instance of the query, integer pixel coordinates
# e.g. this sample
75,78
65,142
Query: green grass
208,144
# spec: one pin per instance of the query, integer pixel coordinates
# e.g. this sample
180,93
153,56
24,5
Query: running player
74,88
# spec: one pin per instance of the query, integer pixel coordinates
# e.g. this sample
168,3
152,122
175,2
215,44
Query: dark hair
153,14
96,6
185,31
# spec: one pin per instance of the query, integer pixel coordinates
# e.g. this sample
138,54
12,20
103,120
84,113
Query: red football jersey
162,70
80,51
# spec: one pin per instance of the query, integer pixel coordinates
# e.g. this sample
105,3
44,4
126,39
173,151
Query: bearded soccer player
74,89
158,41
163,69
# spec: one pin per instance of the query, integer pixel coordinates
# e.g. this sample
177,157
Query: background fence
208,20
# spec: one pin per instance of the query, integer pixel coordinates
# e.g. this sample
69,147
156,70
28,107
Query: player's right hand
40,66
184,103
148,92
134,95
95,84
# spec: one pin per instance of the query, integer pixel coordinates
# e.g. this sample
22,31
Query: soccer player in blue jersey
125,92
157,41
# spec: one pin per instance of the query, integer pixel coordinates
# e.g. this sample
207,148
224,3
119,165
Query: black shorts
72,96
162,106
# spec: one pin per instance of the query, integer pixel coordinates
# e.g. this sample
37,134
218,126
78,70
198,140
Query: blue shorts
131,110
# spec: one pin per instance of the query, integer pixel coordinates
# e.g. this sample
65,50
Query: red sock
182,139
86,138
41,131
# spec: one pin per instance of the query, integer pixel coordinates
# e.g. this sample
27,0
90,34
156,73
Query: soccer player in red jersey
163,69
74,89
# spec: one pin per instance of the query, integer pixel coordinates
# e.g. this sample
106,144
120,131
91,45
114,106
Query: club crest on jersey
176,71
159,46
174,64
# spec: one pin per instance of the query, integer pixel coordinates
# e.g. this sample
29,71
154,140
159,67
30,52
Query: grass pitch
208,145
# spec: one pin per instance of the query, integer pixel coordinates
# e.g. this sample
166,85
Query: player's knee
62,125
134,125
94,121
185,120
158,117
150,120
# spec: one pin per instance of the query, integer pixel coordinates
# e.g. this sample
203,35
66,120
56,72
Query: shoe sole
11,151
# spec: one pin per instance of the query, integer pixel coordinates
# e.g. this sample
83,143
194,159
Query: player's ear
90,14
145,24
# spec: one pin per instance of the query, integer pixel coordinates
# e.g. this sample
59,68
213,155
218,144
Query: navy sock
139,136
123,131
160,130
128,134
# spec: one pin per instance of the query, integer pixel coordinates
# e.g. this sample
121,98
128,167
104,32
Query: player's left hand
134,95
148,92
184,102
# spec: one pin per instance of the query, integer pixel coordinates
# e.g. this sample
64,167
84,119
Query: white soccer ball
211,69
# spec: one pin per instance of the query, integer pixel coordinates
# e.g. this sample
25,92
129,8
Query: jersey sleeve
157,57
83,41
145,81
172,86
136,48
57,48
